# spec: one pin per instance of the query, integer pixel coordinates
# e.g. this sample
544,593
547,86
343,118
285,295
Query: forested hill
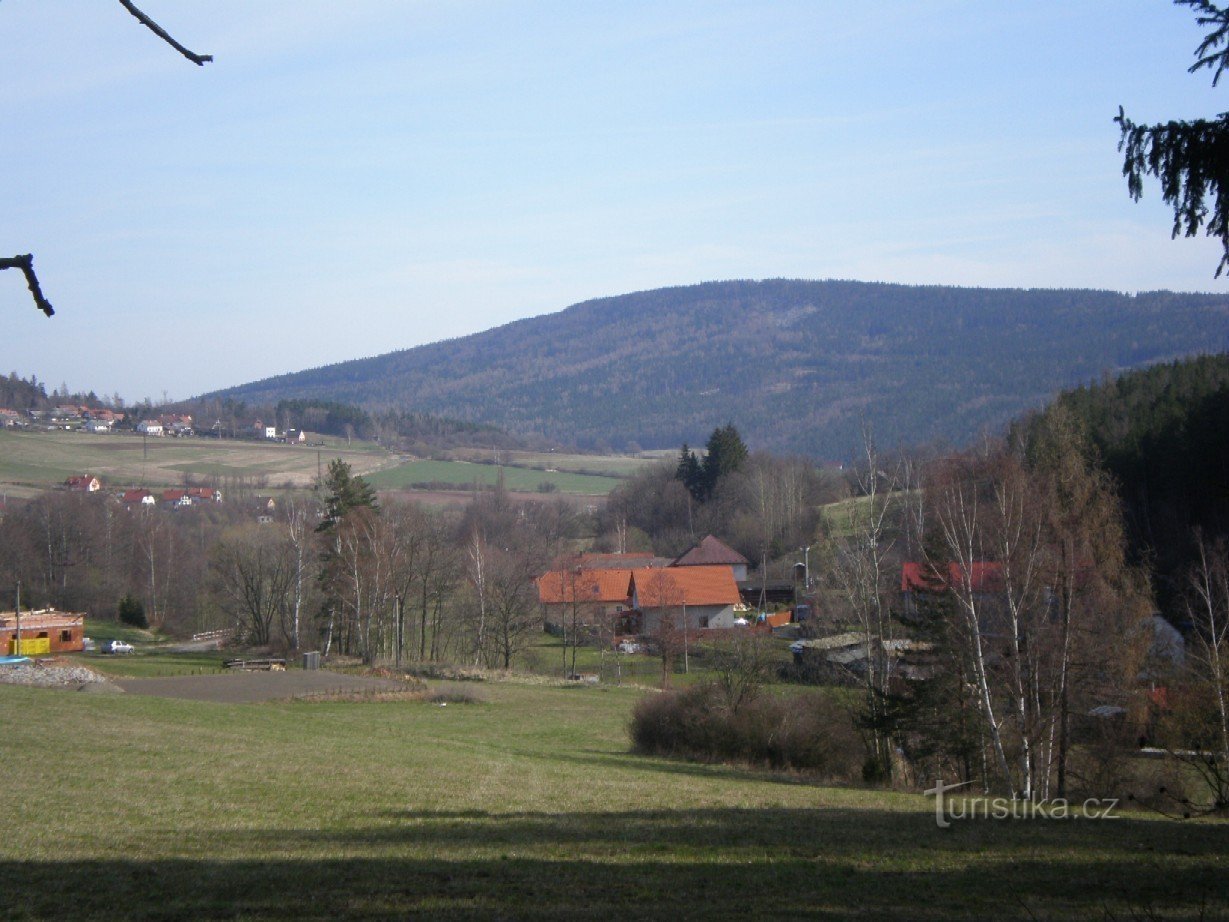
1163,434
796,365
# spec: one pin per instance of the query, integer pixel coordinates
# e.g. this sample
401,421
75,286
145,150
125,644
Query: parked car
117,646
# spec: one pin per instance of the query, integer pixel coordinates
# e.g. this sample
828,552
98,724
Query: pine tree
727,454
345,492
691,473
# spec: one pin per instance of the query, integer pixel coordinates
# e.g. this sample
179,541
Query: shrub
799,732
131,611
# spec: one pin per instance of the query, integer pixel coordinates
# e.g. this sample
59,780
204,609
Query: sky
351,178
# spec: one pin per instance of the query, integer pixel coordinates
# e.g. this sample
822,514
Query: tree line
330,569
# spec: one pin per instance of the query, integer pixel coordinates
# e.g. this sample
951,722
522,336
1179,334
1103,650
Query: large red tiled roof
699,585
610,586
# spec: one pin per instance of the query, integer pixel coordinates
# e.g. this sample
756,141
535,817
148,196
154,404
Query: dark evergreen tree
345,492
131,611
691,474
726,454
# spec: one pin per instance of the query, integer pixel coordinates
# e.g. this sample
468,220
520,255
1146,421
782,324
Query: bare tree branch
197,59
26,265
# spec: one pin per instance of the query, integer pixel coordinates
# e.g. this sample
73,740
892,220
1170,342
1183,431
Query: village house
83,483
150,427
9,418
176,424
264,432
697,596
176,498
593,597
98,426
186,497
42,632
204,495
135,498
712,552
917,580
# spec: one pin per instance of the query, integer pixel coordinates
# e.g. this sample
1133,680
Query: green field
38,460
526,803
463,474
605,465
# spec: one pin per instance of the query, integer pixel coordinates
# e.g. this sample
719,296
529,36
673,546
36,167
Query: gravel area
231,688
49,675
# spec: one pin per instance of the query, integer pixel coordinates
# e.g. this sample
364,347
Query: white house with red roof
698,596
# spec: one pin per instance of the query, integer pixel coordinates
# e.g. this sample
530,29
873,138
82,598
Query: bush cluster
800,732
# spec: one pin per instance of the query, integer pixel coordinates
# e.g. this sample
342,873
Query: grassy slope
463,473
604,465
525,803
37,460
44,459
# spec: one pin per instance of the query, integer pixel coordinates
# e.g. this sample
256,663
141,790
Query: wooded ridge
795,364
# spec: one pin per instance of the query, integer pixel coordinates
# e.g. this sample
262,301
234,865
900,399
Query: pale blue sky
350,178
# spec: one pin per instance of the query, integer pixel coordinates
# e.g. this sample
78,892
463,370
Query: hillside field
39,460
464,473
32,461
525,802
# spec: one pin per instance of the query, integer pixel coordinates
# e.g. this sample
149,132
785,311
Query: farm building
713,552
705,596
592,597
42,631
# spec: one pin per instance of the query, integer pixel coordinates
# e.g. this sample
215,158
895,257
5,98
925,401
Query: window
66,636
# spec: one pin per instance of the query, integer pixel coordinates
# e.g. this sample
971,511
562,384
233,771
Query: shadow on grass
657,864
606,759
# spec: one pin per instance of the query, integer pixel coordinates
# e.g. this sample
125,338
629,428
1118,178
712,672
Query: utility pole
17,642
686,663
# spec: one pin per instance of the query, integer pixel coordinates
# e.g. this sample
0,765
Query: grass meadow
37,460
524,803
464,473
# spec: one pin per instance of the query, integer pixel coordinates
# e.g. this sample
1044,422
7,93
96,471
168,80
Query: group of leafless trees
1030,635
766,510
393,583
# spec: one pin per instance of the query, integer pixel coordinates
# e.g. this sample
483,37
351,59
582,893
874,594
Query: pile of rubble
51,674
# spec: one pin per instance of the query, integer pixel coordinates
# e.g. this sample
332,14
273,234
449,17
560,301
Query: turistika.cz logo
948,809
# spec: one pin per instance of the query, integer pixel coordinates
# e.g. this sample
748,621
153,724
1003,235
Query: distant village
102,421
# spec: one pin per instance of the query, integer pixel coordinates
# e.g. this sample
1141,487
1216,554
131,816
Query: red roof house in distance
83,483
132,498
590,596
704,595
984,578
713,552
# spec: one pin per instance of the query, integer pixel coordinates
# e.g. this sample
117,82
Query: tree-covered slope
796,365
1163,433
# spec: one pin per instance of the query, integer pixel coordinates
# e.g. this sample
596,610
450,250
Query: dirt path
248,687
